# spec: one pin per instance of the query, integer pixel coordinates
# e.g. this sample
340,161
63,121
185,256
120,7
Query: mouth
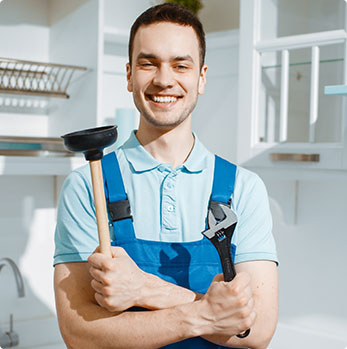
159,99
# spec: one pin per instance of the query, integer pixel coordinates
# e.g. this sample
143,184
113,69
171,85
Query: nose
164,77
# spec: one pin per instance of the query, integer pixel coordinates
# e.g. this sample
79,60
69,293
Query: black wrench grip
223,248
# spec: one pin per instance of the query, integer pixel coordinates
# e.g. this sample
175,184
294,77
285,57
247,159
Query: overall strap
222,190
223,181
117,201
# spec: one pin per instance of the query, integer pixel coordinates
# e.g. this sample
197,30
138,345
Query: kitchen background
269,64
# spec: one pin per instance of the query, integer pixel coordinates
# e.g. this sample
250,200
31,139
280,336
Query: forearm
181,313
160,294
84,324
94,327
259,337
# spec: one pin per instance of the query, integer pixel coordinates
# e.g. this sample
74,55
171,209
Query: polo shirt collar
141,160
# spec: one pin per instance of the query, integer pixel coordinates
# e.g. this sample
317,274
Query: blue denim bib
192,265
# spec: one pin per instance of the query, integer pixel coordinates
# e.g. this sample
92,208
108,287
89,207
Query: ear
202,80
129,78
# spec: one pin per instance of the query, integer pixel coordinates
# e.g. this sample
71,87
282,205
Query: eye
181,67
146,64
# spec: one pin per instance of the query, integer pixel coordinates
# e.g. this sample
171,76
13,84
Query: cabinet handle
294,157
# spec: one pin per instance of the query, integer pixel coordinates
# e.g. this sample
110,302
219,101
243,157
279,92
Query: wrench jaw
220,234
218,237
215,226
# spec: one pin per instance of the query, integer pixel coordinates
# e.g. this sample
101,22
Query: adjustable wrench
220,234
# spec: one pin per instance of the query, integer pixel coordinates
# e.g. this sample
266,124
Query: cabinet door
290,50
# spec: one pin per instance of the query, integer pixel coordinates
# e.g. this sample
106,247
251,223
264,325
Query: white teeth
166,99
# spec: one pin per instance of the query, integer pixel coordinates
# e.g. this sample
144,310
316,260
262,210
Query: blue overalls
192,265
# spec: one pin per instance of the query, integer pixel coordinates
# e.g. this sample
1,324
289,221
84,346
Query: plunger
92,143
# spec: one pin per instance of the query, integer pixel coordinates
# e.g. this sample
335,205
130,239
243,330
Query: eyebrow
143,55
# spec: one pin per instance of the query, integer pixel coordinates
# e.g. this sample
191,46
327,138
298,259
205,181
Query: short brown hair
173,13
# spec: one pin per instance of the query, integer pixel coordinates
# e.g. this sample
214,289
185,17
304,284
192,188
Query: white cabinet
289,51
58,31
87,33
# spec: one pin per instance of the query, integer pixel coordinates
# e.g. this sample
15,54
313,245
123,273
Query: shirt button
169,185
170,208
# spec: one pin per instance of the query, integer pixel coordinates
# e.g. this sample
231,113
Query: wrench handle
229,271
226,259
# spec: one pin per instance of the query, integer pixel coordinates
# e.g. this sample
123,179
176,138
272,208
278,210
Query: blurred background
274,103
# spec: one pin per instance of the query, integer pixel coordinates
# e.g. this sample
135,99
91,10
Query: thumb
218,278
118,251
97,250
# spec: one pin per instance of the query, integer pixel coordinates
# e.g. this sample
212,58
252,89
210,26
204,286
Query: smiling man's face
165,76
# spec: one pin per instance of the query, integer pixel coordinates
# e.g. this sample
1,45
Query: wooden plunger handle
100,207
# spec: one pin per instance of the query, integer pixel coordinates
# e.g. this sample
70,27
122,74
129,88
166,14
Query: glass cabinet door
289,51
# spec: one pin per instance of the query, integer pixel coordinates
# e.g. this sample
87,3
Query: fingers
98,275
97,286
98,260
102,301
229,306
246,322
244,301
114,280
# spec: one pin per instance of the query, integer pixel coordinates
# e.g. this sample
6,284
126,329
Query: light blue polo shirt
167,205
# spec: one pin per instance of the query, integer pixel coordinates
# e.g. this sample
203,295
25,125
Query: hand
117,281
228,307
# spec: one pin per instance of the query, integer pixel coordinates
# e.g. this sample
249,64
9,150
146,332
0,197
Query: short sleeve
76,230
253,234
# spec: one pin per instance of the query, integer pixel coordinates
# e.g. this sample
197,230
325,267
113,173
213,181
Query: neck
171,146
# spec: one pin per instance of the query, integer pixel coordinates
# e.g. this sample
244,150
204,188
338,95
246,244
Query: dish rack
36,78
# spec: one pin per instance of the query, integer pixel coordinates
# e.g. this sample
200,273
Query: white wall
215,118
310,231
24,34
122,17
27,219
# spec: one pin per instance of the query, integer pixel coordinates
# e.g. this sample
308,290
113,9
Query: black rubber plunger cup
91,143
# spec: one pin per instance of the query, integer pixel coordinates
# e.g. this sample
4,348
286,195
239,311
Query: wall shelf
36,78
40,166
33,146
36,156
337,90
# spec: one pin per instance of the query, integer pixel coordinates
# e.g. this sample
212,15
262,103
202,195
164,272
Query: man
168,177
